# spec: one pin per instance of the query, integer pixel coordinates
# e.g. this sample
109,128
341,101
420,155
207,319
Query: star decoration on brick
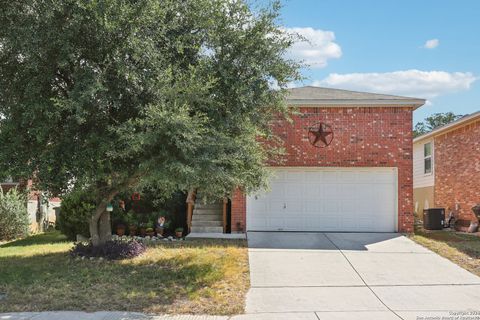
320,135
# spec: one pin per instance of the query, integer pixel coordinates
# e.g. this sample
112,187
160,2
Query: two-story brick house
446,164
347,167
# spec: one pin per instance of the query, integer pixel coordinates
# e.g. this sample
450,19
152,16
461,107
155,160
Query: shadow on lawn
467,244
38,239
57,282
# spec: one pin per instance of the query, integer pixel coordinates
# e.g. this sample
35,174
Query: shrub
112,250
14,219
75,213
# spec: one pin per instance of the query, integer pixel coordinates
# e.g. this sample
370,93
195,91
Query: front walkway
337,276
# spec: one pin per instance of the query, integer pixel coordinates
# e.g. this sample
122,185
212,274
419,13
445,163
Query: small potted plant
121,229
179,232
160,226
132,230
150,232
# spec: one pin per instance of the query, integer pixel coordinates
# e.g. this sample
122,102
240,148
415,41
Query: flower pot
179,234
132,230
150,233
159,231
476,211
121,230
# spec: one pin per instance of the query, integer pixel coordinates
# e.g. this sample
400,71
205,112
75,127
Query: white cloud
431,44
415,83
317,47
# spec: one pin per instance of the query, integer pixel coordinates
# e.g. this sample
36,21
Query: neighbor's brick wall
457,169
363,137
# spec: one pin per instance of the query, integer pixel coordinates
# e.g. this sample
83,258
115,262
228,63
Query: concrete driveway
333,276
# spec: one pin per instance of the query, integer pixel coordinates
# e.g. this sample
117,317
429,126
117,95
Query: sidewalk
102,315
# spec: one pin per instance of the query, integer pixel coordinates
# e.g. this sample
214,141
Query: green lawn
194,276
462,249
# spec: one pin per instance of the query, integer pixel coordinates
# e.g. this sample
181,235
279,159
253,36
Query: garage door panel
384,177
329,176
313,177
277,188
349,223
312,191
276,206
326,199
329,221
330,205
348,207
311,207
331,191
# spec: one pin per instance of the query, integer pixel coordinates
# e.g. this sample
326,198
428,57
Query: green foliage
75,213
130,218
14,220
113,94
434,121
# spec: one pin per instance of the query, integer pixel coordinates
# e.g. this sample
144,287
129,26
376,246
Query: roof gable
466,119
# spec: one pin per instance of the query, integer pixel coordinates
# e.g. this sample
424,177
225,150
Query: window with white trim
427,158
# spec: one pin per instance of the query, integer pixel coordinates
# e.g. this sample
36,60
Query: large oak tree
116,94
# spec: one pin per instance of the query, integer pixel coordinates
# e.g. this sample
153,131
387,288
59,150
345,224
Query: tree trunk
100,228
105,227
40,213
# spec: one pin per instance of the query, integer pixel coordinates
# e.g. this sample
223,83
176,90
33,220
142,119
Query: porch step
207,217
198,229
208,206
201,211
210,223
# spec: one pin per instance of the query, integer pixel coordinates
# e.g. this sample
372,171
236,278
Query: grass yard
193,276
462,249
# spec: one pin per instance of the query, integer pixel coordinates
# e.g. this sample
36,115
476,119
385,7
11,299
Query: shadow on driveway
322,241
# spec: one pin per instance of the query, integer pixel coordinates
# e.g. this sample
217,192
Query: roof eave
415,103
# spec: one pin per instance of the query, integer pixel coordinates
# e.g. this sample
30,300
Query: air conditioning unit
433,218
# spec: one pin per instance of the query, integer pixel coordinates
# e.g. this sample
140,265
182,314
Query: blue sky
381,46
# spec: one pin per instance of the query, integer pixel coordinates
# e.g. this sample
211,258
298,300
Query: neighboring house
446,164
348,166
35,203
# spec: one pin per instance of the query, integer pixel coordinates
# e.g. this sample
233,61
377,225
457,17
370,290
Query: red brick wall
238,212
457,169
363,137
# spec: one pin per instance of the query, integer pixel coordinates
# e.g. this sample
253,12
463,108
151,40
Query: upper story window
427,158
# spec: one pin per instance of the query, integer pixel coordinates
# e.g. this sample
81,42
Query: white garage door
326,199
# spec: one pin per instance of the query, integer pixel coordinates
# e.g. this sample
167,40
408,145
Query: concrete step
207,211
206,229
200,205
207,223
207,217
